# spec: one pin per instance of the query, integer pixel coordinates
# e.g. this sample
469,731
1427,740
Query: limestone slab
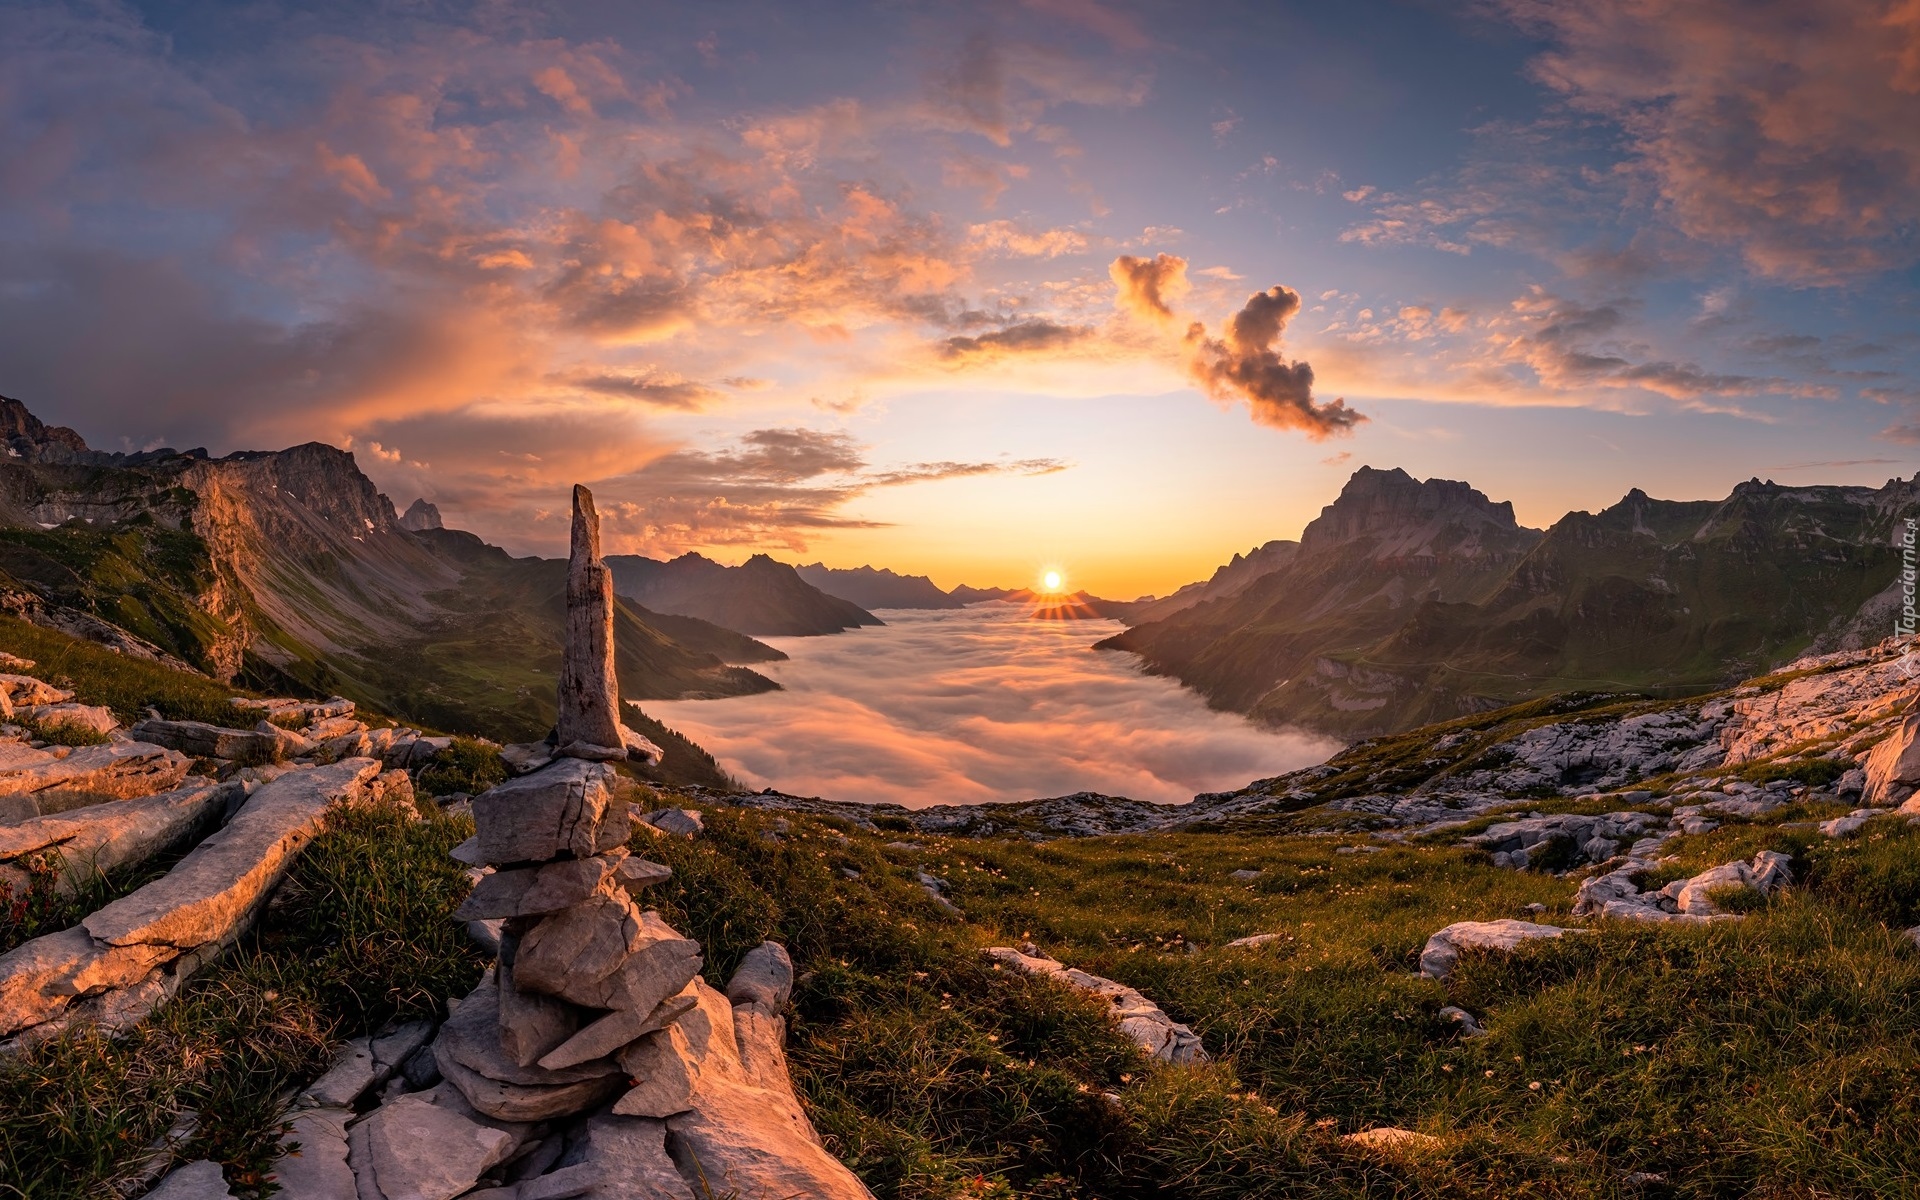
1442,950
659,962
617,1029
37,782
630,1156
316,1168
532,891
565,809
203,1180
567,953
217,885
416,1150
105,837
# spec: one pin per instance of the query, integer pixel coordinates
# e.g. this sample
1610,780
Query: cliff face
1409,602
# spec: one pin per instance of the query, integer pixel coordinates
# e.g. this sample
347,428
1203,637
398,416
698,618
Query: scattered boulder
1442,951
1138,1017
106,837
1851,823
1893,765
210,741
95,717
1395,1143
680,822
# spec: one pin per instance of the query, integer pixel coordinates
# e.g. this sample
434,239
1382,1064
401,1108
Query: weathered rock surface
203,1180
38,782
680,822
412,1149
566,954
1591,839
531,891
108,836
1138,1017
589,721
318,1170
98,718
1442,951
564,809
209,741
134,952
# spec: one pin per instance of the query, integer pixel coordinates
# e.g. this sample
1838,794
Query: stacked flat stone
584,975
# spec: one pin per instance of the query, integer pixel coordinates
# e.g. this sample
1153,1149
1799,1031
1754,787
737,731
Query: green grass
361,932
128,686
468,765
1774,1056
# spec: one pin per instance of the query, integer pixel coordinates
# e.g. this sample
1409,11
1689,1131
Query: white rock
1442,950
318,1169
1138,1017
680,822
416,1150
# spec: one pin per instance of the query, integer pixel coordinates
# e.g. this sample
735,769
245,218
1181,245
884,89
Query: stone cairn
592,999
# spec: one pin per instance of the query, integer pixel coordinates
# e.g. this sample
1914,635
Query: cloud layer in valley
975,705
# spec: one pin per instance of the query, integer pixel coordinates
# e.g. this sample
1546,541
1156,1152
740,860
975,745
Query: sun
1051,581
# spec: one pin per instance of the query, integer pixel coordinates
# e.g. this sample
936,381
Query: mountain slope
290,569
1411,602
1229,579
878,588
760,597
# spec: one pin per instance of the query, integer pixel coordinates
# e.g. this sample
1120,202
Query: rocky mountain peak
420,516
27,436
1408,518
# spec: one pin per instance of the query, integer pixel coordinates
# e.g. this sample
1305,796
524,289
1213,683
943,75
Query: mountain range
290,570
1409,601
760,597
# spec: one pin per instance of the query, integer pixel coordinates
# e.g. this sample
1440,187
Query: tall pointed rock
589,724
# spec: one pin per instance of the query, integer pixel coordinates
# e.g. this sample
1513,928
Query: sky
975,705
972,290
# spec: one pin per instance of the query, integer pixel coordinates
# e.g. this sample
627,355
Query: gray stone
533,891
1244,875
392,1050
1893,765
471,1038
634,874
1138,1017
617,1029
316,1169
764,977
353,1072
1442,951
212,890
1255,940
680,822
207,741
531,1025
589,698
413,1149
524,1103
659,963
98,718
630,1155
565,809
35,783
567,953
182,919
201,1180
747,1135
105,837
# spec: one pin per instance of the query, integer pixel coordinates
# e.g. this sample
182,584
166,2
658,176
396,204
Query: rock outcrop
1442,951
589,724
127,957
1138,1017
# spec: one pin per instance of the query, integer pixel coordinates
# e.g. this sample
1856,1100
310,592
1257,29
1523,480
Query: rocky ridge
1413,602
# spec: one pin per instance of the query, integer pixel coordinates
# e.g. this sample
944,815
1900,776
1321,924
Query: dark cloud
691,397
1149,286
1788,130
1027,337
775,489
1247,364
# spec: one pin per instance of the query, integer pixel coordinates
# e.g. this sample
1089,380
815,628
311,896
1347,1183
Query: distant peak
421,515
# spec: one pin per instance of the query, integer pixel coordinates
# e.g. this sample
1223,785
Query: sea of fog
984,703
